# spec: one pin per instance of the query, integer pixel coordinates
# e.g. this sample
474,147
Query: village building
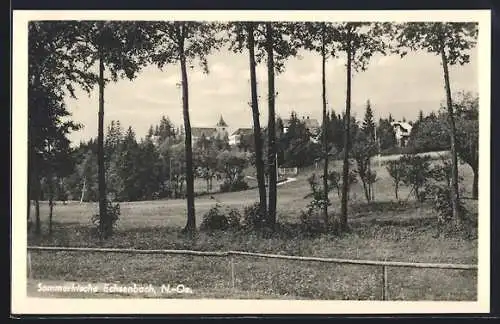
312,125
402,131
235,138
220,130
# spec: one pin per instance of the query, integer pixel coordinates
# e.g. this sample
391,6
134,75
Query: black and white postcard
256,162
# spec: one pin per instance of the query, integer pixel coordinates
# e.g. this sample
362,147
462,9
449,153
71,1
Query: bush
440,195
441,172
239,185
312,219
416,173
113,213
396,170
337,180
219,219
253,218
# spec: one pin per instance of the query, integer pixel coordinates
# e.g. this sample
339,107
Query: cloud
393,85
383,60
223,89
221,70
302,78
172,80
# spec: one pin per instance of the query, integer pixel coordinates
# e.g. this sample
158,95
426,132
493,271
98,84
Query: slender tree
420,115
118,47
452,42
271,125
243,35
360,41
368,128
320,38
274,42
279,44
183,42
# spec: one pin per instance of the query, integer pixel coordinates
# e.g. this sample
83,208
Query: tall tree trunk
29,214
103,217
347,125
475,183
33,168
366,190
38,227
454,161
30,182
271,151
325,126
257,135
191,220
35,181
51,203
38,191
84,188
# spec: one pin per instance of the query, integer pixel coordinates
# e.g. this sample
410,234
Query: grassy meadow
383,230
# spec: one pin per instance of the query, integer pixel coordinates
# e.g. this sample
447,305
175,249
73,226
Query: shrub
233,218
416,173
335,181
396,171
219,219
313,182
312,219
230,168
439,195
253,218
239,185
113,213
362,151
441,172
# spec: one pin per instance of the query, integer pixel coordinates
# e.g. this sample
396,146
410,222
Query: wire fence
233,255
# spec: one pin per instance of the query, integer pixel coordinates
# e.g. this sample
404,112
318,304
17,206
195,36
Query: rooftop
403,125
221,122
243,131
309,122
200,131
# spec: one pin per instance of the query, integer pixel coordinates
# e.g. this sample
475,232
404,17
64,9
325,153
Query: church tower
221,128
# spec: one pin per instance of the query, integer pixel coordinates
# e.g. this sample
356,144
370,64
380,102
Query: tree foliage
452,41
456,38
467,112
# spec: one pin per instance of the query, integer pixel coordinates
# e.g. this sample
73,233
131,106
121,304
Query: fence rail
293,171
231,254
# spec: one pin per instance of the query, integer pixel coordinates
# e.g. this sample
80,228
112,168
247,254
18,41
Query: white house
402,131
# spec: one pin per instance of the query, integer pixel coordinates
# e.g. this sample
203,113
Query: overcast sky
393,85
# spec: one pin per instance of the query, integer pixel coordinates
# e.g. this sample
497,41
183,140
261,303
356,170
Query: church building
220,130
